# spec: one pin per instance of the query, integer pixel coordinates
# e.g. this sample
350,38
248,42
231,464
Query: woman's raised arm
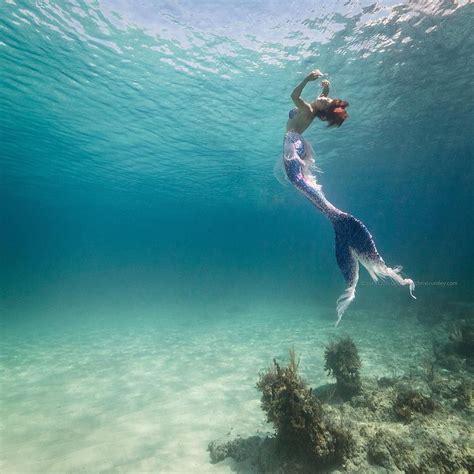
296,94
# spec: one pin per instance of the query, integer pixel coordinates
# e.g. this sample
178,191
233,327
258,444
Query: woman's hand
325,85
313,75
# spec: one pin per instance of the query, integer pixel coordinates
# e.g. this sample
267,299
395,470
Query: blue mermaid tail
354,243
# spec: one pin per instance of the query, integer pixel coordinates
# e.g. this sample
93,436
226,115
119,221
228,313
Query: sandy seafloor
148,395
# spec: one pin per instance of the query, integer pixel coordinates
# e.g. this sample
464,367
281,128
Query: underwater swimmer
354,243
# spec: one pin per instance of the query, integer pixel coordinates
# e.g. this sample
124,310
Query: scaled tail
354,244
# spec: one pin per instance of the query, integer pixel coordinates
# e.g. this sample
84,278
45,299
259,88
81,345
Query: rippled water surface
172,100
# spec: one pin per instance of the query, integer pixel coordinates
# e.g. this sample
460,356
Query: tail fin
354,244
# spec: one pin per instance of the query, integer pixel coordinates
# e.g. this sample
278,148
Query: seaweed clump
411,402
444,458
296,413
343,363
462,338
463,394
388,450
458,352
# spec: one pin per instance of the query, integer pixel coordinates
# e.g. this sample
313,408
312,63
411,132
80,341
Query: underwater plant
411,402
360,435
343,363
444,457
388,450
463,339
457,353
463,394
302,430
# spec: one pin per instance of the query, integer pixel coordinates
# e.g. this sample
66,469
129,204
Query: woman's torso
298,121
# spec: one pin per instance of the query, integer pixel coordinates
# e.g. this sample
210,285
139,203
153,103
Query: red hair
335,114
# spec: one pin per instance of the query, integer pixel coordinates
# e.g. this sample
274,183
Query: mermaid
354,243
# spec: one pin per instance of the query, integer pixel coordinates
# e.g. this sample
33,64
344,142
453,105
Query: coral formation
463,395
439,443
462,338
417,422
458,352
411,402
343,363
441,457
239,449
385,382
386,449
298,417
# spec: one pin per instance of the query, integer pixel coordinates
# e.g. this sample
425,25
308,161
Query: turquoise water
152,264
